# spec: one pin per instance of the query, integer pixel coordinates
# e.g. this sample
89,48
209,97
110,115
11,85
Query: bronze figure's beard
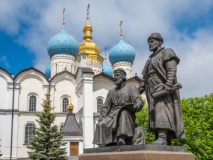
119,81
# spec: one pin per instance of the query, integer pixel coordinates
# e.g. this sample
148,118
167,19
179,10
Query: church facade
77,75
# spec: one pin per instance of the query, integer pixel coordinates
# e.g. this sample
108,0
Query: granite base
137,152
138,155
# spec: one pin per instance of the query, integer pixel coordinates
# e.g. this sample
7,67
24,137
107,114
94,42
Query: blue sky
14,56
187,27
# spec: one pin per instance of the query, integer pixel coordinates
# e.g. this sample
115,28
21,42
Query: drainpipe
11,138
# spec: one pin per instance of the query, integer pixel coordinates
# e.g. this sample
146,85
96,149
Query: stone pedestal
139,152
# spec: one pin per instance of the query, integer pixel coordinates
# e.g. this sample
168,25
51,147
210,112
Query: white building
77,74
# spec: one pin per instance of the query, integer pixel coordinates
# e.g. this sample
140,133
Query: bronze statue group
116,125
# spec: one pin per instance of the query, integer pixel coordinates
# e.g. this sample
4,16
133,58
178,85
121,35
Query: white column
15,120
88,128
80,147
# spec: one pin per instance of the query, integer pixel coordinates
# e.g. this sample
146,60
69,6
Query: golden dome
70,106
88,46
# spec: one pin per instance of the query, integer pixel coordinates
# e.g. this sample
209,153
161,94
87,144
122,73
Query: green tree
198,122
143,120
47,143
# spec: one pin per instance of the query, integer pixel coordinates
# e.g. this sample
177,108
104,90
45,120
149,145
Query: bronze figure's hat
120,70
155,36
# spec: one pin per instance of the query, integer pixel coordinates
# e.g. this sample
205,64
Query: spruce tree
47,142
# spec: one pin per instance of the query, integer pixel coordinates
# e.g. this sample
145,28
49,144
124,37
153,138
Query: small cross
121,28
63,17
88,11
105,52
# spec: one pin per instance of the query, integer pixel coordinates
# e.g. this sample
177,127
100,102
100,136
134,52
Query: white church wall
101,87
2,132
83,61
5,131
95,65
80,100
6,95
62,62
31,86
6,105
15,134
24,118
60,119
63,86
31,82
79,90
80,148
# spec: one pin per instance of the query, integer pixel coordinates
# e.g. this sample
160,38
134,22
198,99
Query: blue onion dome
48,71
62,43
122,52
107,68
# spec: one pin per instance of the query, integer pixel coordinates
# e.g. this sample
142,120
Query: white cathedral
77,75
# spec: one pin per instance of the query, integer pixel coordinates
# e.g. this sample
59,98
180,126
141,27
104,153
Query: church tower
62,49
122,55
89,52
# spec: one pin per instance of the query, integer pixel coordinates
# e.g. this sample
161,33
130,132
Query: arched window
99,104
32,103
65,103
29,132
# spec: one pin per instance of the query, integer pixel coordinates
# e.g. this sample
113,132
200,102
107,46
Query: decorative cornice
63,56
122,63
77,138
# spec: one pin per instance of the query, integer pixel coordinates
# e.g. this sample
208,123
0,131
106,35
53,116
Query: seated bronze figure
116,124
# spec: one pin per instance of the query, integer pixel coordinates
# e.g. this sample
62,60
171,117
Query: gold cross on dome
88,6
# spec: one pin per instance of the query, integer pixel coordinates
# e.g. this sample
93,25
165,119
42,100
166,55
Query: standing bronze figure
162,91
116,124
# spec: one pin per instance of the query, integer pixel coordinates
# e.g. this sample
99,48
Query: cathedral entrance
73,148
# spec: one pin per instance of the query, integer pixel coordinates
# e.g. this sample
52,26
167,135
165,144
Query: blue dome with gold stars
48,71
107,68
122,52
62,43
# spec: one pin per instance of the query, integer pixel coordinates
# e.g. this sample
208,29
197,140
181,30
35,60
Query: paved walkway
73,158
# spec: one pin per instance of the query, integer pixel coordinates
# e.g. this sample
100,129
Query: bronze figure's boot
162,137
121,140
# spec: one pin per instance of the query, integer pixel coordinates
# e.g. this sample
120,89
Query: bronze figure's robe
164,112
120,117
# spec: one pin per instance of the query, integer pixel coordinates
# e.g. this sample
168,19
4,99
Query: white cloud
140,18
3,59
